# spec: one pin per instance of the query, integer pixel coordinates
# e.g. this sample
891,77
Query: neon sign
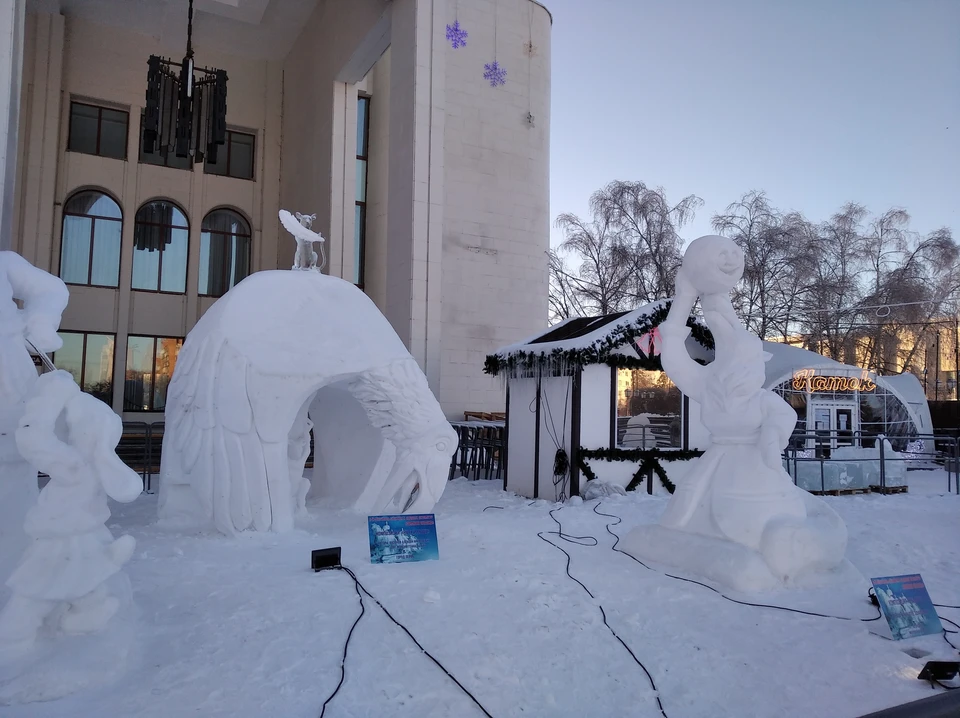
809,380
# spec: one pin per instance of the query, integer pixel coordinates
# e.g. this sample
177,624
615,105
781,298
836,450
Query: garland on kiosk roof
649,460
600,351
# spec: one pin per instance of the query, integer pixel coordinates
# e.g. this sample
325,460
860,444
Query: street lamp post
936,384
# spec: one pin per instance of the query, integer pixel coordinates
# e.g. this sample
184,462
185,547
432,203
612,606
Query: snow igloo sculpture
278,355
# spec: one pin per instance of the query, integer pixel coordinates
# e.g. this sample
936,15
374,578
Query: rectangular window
360,213
150,364
234,157
98,131
163,156
648,410
89,358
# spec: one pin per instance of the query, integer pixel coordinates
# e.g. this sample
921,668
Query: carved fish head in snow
421,469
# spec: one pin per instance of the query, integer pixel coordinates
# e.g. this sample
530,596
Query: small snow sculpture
44,298
278,351
597,489
72,552
737,517
299,227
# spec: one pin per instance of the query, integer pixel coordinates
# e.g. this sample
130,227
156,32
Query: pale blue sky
815,101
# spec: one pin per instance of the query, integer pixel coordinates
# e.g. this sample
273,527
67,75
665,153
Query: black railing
481,453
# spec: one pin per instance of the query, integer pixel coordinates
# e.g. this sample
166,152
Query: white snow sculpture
299,227
278,350
736,517
72,552
44,298
599,489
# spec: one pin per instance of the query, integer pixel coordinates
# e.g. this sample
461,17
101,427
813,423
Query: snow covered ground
242,628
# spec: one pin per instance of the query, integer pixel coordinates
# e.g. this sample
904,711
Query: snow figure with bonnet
31,325
736,517
72,437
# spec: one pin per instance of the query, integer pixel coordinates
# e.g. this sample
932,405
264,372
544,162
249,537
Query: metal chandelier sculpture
186,109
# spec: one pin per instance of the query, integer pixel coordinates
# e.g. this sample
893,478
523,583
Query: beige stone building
431,185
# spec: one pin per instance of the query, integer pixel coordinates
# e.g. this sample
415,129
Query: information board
906,605
403,538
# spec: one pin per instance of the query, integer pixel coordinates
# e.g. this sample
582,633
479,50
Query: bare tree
646,224
775,250
564,300
598,282
834,287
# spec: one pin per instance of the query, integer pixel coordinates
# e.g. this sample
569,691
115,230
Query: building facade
429,182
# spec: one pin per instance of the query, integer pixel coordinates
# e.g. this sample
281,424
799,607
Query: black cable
569,538
346,644
943,605
360,587
719,593
576,540
945,631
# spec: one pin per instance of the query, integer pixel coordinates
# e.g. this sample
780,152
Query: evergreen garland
600,351
649,460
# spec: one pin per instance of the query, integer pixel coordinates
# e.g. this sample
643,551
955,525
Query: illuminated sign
809,380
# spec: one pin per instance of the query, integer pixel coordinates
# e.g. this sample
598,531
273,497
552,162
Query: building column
11,71
415,179
38,211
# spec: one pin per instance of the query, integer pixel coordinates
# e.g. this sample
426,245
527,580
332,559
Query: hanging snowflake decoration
495,74
456,35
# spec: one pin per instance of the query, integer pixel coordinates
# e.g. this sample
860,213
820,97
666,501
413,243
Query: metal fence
140,448
481,454
837,462
815,461
482,451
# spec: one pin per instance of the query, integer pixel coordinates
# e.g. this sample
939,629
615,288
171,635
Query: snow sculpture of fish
253,373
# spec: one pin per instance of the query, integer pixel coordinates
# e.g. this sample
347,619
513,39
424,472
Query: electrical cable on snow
578,540
346,644
360,587
711,588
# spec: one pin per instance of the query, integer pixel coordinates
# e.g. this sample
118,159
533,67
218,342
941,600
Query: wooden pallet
889,489
840,492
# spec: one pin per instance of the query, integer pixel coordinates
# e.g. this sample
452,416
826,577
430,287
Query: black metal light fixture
186,108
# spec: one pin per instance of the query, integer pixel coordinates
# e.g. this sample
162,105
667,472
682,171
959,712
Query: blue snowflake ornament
456,35
495,74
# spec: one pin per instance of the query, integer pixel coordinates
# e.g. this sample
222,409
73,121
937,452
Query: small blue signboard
907,606
403,538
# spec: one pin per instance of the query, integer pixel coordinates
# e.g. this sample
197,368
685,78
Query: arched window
224,252
90,243
160,241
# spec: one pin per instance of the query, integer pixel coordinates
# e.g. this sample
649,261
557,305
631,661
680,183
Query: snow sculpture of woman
43,298
737,492
72,552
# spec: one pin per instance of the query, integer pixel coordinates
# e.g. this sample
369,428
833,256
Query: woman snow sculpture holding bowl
738,490
72,552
